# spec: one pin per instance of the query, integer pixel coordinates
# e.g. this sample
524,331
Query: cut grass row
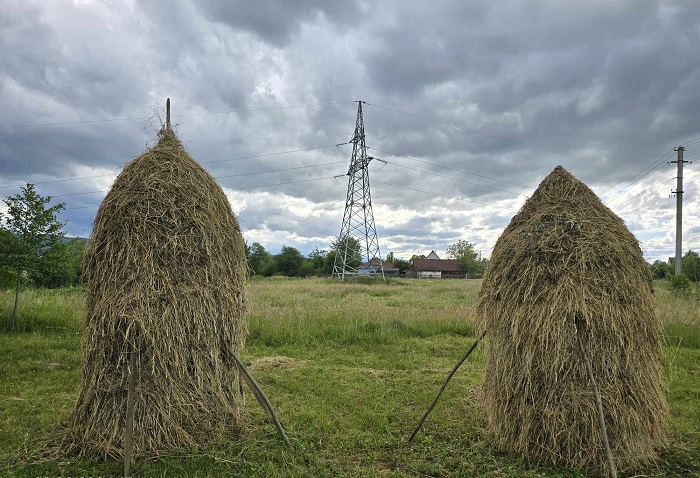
349,368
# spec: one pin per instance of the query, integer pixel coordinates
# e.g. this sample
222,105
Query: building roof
434,265
433,256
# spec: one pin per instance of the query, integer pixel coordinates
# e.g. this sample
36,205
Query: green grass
363,362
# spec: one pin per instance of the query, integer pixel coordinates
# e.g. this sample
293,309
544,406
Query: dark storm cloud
277,22
602,88
596,73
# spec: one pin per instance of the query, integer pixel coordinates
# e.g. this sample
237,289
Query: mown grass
350,369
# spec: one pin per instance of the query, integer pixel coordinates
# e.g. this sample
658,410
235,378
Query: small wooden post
131,398
598,405
167,114
444,385
259,396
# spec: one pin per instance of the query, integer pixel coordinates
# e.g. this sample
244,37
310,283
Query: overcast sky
471,104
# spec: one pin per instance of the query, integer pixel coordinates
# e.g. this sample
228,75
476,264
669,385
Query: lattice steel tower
357,243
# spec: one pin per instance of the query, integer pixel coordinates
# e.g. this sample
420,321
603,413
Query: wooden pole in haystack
166,258
167,114
129,427
260,397
598,404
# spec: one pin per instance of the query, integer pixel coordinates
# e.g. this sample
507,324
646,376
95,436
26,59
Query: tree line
34,251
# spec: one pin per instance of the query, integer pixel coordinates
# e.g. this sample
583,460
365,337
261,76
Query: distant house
430,268
390,269
432,256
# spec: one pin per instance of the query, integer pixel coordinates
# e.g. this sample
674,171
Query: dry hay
566,263
165,272
274,362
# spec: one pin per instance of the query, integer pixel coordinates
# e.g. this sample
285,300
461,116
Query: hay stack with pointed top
165,272
566,263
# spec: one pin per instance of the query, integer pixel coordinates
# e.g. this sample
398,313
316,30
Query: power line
238,189
475,131
447,167
269,154
654,166
450,177
205,162
222,177
279,170
641,191
142,118
428,192
691,142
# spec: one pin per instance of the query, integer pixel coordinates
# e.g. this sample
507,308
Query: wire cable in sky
691,142
641,191
237,189
428,192
651,168
621,195
450,177
447,167
279,170
268,154
475,131
221,177
143,118
204,162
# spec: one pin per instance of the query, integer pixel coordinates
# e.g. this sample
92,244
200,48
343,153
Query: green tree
318,260
60,266
690,266
259,260
288,261
31,231
661,270
401,264
307,268
354,252
463,251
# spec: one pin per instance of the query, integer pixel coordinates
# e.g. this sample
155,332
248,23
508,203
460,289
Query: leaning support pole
129,426
260,396
444,385
599,406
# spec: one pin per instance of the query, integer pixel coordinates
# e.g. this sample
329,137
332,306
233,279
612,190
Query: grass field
350,370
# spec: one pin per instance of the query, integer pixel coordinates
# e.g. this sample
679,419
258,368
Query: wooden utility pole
679,208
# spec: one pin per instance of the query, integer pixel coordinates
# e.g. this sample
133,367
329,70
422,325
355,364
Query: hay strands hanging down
444,385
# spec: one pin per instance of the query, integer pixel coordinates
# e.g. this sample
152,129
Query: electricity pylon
357,246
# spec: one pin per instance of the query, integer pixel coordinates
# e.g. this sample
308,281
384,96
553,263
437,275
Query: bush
679,284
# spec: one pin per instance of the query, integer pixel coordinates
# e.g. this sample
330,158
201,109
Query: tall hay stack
165,271
566,263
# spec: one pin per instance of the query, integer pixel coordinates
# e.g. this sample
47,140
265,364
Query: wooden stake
167,114
444,385
599,406
131,398
260,396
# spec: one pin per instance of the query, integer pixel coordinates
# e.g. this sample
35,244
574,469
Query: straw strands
566,264
165,272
